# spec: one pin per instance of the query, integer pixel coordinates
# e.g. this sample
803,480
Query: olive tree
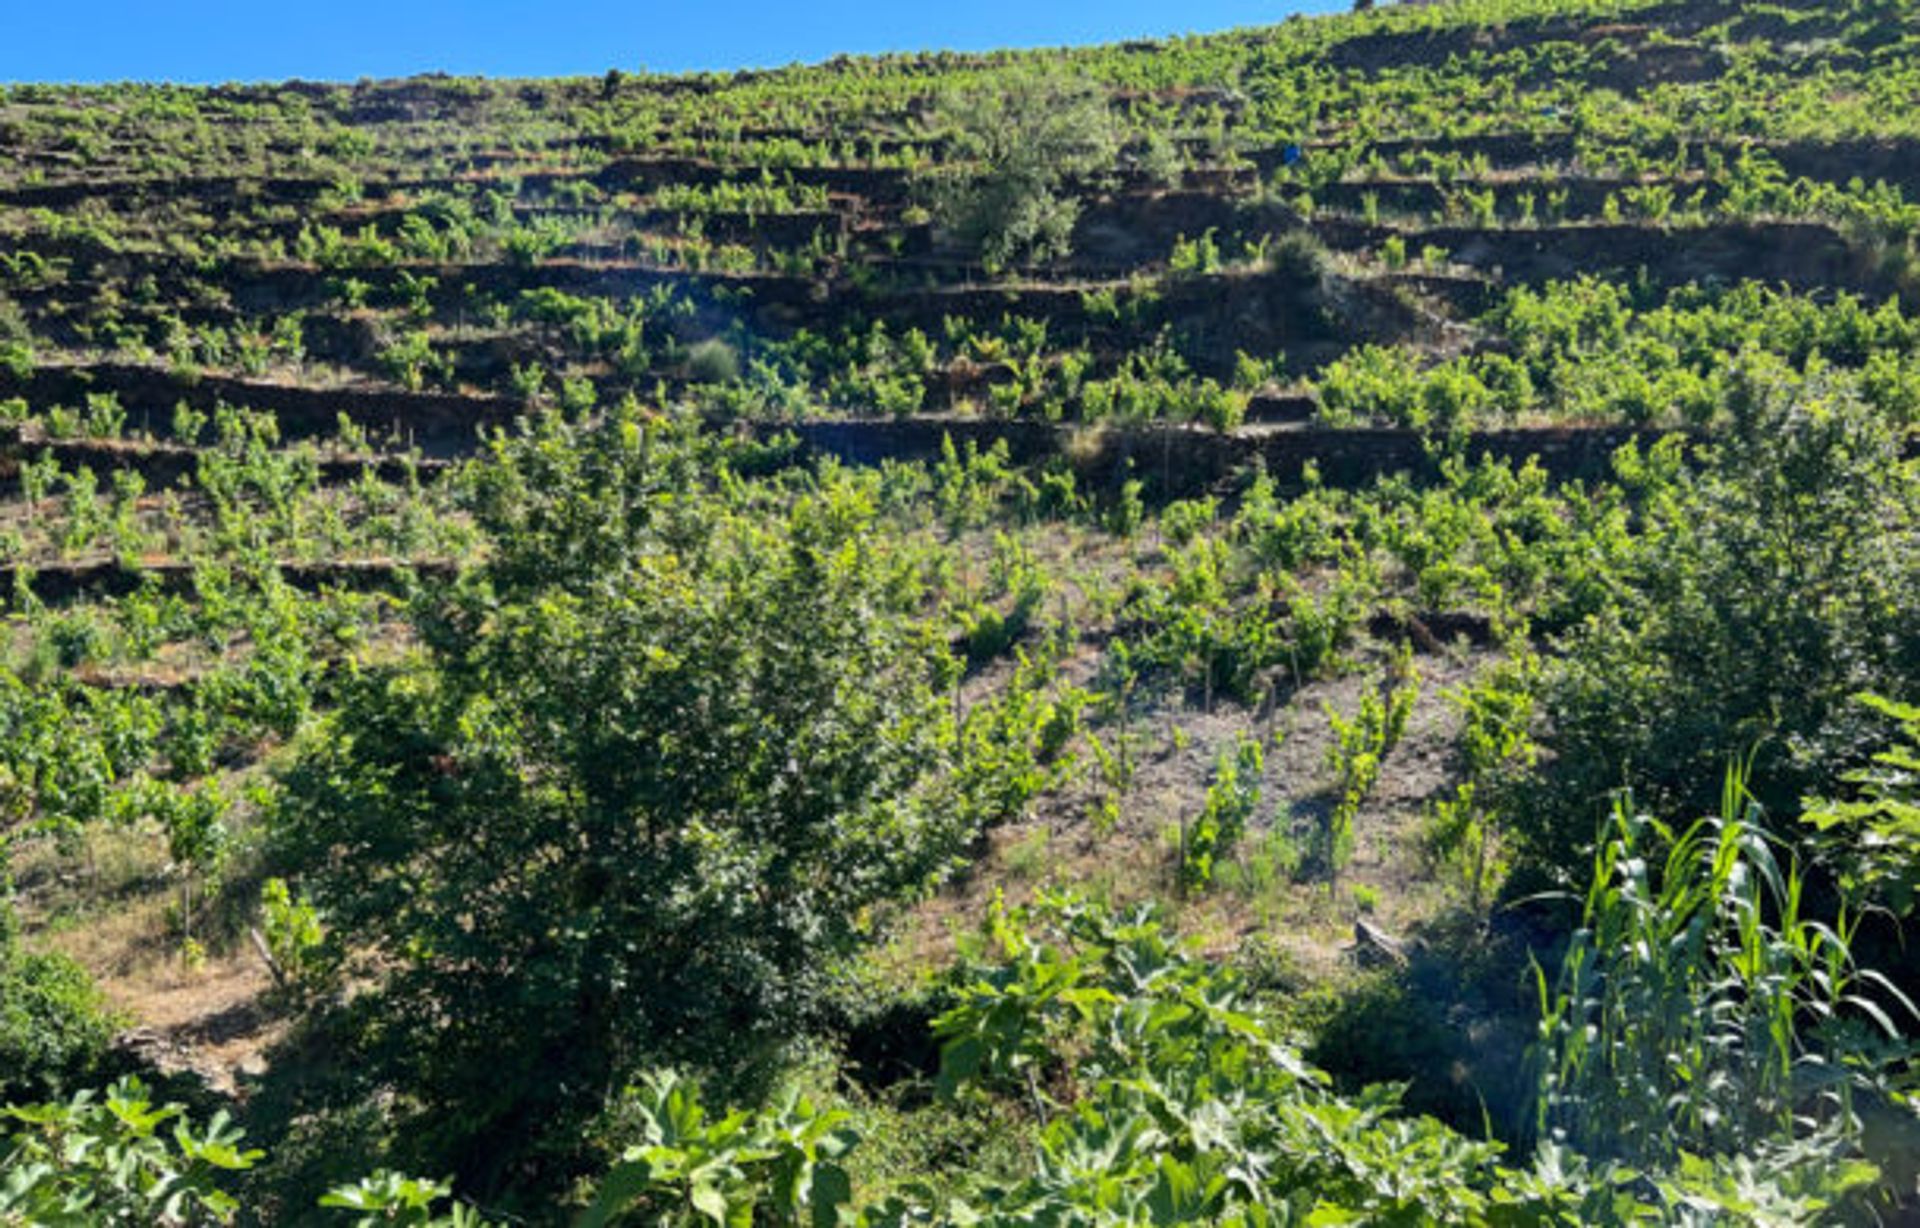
1014,143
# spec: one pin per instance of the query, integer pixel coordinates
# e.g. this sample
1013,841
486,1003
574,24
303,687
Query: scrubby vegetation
1316,624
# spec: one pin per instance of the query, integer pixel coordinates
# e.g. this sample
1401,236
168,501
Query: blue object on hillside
1291,154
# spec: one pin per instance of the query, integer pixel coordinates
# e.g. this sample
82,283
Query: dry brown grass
113,906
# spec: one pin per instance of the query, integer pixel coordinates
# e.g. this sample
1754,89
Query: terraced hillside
1302,470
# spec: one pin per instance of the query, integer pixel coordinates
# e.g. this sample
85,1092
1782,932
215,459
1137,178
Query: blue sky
221,40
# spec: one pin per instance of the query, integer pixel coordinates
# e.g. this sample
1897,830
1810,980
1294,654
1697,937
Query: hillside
516,586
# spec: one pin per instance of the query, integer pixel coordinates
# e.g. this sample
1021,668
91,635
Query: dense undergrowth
1310,625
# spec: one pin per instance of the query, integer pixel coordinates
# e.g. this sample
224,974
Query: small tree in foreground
634,798
1756,598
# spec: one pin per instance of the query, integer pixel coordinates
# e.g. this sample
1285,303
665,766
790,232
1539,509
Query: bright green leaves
1359,746
1001,1027
777,1166
393,1198
118,1159
1494,747
1232,797
1182,1105
1877,834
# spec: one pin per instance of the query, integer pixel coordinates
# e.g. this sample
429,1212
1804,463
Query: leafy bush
1757,598
777,1166
1300,258
293,937
713,361
387,1197
1354,757
54,1026
1875,835
108,1161
112,1159
1016,140
633,799
1493,749
1232,797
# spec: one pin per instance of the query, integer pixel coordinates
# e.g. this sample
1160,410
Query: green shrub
1232,797
16,358
779,1165
117,1159
387,1197
1467,832
54,1026
1758,597
1354,757
1183,519
293,937
632,802
1874,835
713,361
1299,257
1016,140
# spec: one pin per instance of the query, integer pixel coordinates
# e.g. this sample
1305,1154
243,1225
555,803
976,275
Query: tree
1757,597
1013,142
634,796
